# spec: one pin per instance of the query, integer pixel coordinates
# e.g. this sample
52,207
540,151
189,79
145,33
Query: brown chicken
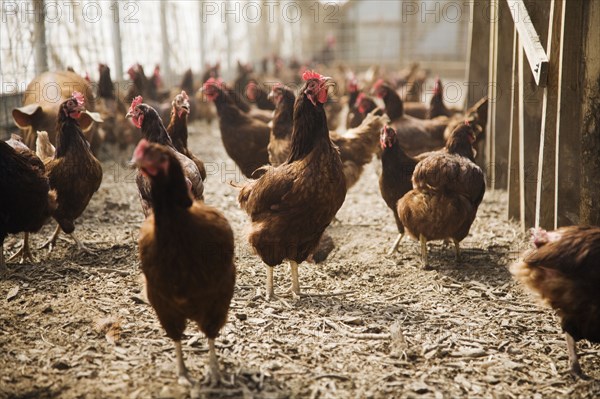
245,139
364,106
26,201
259,96
437,107
291,205
186,253
178,129
447,190
146,118
395,179
358,145
416,135
281,126
564,270
74,172
116,128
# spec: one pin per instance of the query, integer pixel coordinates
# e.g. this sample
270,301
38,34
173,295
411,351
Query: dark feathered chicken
153,130
178,129
395,180
447,190
437,107
564,270
74,172
291,205
259,96
26,201
281,126
186,253
245,139
364,106
415,135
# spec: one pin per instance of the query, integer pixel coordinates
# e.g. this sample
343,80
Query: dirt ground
391,330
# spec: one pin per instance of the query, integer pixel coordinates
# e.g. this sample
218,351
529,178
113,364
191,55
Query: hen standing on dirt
186,252
447,189
74,172
291,205
396,174
564,269
145,117
26,201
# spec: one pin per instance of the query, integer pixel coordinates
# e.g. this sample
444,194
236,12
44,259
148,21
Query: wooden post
40,54
493,78
164,35
116,43
478,65
590,129
514,186
501,99
545,191
568,142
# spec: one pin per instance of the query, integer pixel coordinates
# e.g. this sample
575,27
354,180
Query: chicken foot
574,358
457,249
295,288
51,243
183,377
81,246
214,377
270,294
24,252
396,244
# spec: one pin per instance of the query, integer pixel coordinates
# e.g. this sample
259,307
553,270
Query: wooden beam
501,100
538,60
490,168
514,187
40,54
590,129
478,66
545,191
568,141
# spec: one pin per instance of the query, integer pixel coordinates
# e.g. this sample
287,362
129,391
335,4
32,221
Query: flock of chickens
299,171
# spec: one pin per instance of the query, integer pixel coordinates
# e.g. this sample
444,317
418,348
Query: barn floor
389,329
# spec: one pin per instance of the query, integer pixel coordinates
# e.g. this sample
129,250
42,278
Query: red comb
359,99
136,101
214,82
308,75
378,84
79,97
184,95
467,122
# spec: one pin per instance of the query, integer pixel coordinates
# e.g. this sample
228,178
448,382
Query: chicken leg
214,374
396,244
423,241
183,377
457,249
24,252
295,288
51,243
574,358
270,294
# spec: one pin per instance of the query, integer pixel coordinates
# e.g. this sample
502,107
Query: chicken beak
128,115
